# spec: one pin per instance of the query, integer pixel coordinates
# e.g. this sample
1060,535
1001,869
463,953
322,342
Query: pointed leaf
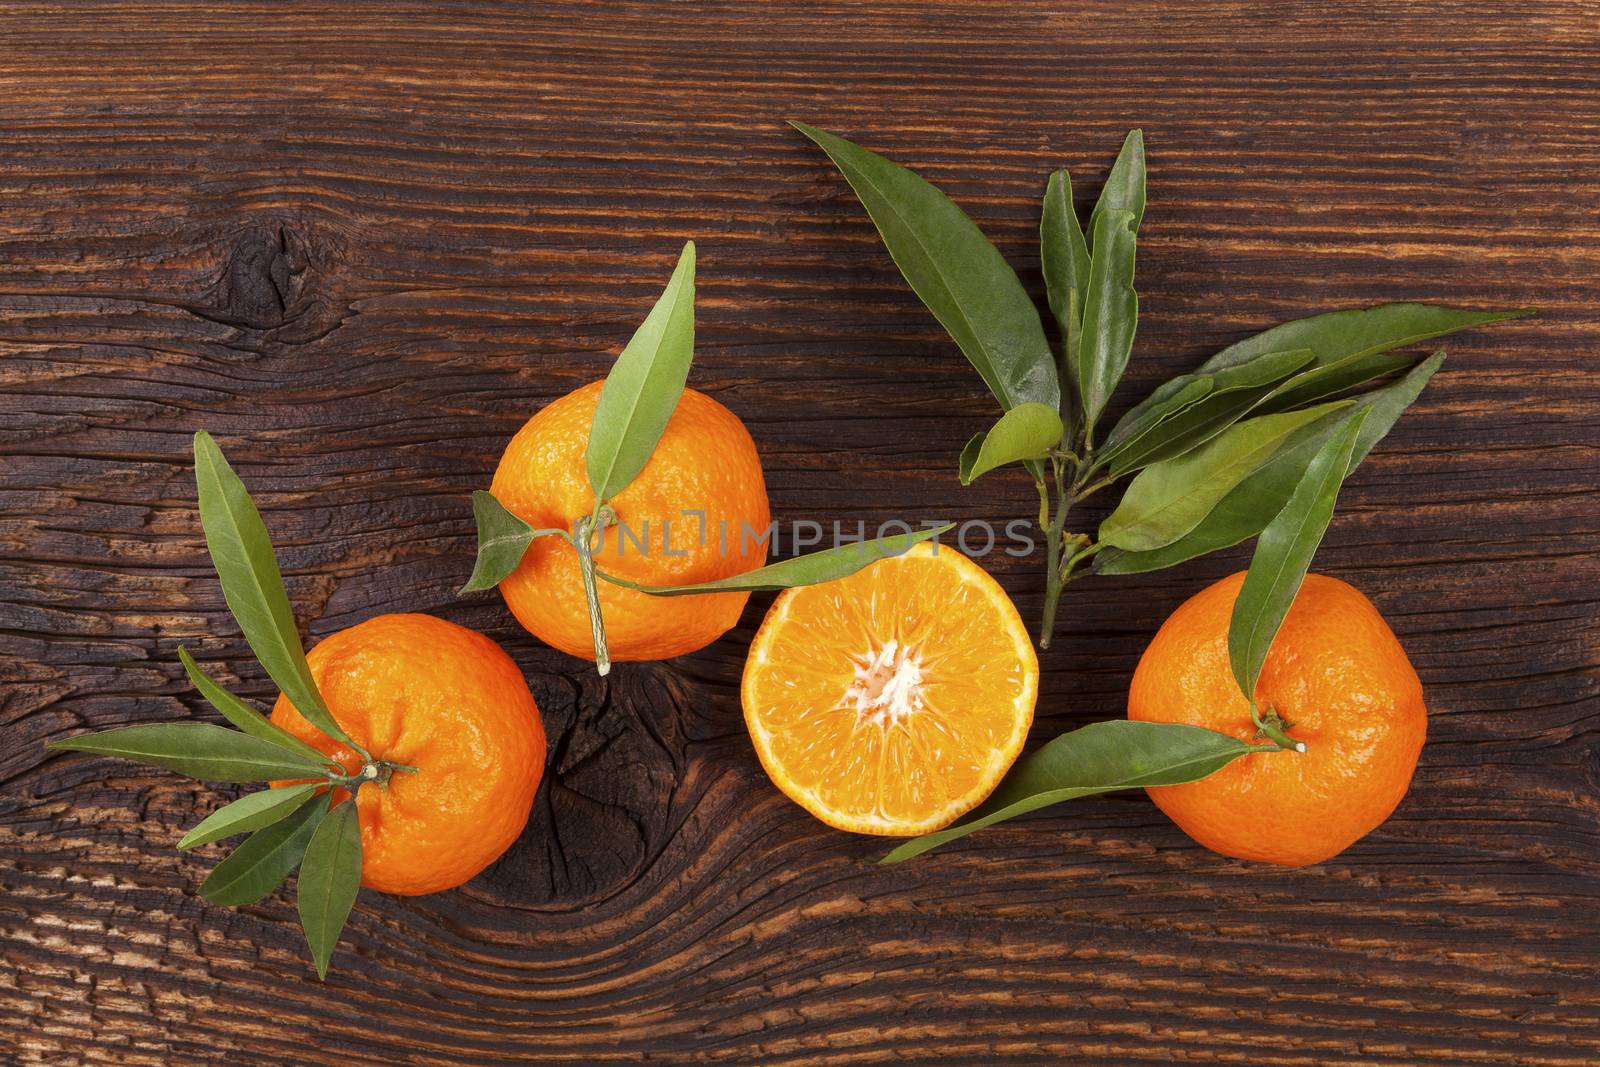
330,878
1178,396
266,857
1252,504
242,715
1065,256
1168,499
1330,379
1124,188
969,455
503,539
960,276
643,387
198,749
811,569
250,812
241,551
1366,331
1027,431
1283,555
1110,314
1234,392
1098,758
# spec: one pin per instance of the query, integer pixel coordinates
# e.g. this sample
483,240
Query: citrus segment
894,700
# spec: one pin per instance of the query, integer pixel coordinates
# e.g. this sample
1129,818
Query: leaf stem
1095,488
597,627
1273,728
1055,576
1078,557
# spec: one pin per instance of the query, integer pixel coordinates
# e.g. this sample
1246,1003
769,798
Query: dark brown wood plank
362,242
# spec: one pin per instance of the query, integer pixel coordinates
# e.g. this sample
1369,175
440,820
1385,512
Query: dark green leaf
969,455
1283,555
1366,331
1252,504
1098,758
812,569
1330,379
252,585
330,878
1176,396
250,812
198,749
266,858
1110,313
1124,187
1234,392
643,387
502,541
241,714
959,275
1065,256
1168,499
1027,431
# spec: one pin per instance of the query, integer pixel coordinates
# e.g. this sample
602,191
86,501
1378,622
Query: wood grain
361,243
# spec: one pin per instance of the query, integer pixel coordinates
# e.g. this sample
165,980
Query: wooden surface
361,243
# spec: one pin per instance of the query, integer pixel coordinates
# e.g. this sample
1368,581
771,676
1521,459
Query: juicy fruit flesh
893,700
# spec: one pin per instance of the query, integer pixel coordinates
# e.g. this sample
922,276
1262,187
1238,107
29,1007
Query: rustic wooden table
361,243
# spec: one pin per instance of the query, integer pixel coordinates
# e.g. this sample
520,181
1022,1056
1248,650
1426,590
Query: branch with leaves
1254,443
292,826
636,402
1213,454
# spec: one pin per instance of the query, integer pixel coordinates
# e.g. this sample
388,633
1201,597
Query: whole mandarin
426,693
696,512
1336,675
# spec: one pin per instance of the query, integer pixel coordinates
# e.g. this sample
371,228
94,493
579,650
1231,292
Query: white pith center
888,685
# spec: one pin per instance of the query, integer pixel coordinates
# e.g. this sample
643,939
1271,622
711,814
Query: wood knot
260,279
1591,768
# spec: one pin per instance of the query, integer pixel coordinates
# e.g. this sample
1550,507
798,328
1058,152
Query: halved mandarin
894,700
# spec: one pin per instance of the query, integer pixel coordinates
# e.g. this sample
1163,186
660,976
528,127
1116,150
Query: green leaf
241,551
1252,503
959,275
1168,499
250,812
1177,396
503,539
1065,256
1027,431
1367,331
199,749
266,858
1234,392
330,878
812,569
1124,187
643,387
243,715
1110,314
1283,555
1330,379
1099,758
